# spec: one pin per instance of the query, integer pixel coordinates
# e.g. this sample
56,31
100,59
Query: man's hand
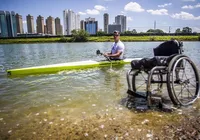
106,54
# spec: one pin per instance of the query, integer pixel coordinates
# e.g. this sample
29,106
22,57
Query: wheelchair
168,66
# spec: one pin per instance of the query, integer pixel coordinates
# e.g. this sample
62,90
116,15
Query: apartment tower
91,26
30,24
3,25
58,27
40,24
121,19
50,24
82,25
106,22
19,23
71,21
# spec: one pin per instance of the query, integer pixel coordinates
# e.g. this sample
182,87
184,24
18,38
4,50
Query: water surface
68,94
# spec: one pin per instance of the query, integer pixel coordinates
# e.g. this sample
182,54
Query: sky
141,14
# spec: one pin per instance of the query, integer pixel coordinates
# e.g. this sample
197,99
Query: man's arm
119,52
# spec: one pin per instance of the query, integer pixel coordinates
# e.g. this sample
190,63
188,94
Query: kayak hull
66,66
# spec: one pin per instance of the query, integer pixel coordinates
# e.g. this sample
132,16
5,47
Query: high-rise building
19,22
121,19
40,24
50,24
71,21
58,27
11,24
45,29
30,24
82,24
91,26
113,27
3,24
106,22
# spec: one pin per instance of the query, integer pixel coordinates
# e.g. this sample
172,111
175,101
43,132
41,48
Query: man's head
116,35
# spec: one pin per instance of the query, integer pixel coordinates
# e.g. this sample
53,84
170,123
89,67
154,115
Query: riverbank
98,39
128,126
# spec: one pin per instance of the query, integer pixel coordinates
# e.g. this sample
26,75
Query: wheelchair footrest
137,94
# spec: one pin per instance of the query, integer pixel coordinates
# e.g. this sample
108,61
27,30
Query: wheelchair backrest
169,48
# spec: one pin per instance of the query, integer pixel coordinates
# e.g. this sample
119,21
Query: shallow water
68,95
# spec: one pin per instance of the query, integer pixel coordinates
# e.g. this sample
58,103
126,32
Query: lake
36,105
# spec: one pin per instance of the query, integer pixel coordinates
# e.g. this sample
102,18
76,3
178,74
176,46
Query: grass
99,39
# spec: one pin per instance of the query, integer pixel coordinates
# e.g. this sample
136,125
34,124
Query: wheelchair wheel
140,80
182,81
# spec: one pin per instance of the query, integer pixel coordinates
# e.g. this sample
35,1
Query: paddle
98,52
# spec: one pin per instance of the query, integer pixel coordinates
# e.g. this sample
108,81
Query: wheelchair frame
183,88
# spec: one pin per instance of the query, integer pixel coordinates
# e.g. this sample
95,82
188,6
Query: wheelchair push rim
183,81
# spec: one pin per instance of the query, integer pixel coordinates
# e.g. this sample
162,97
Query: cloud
164,5
129,19
82,13
189,0
191,7
24,21
122,12
187,7
92,12
95,11
185,16
100,8
133,7
158,12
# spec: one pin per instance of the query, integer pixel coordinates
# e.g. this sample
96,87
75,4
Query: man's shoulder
120,43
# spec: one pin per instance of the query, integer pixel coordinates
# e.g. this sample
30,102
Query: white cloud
164,5
185,16
95,11
134,7
158,12
122,12
24,21
189,0
188,7
92,12
191,7
129,19
100,8
82,13
198,5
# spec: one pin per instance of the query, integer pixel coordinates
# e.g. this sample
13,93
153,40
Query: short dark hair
115,31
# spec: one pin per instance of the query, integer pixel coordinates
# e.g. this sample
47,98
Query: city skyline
141,15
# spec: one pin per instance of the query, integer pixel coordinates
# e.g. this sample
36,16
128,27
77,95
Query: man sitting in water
117,50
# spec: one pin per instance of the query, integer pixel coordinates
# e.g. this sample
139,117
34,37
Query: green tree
130,32
178,30
79,36
187,30
101,33
127,32
134,31
155,31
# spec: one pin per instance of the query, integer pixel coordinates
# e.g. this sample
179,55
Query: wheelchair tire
182,81
140,79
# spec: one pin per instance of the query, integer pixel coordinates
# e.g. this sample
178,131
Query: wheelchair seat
162,55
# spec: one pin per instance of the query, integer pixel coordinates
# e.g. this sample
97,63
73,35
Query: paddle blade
98,52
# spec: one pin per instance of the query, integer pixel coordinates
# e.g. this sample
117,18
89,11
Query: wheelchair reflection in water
147,76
